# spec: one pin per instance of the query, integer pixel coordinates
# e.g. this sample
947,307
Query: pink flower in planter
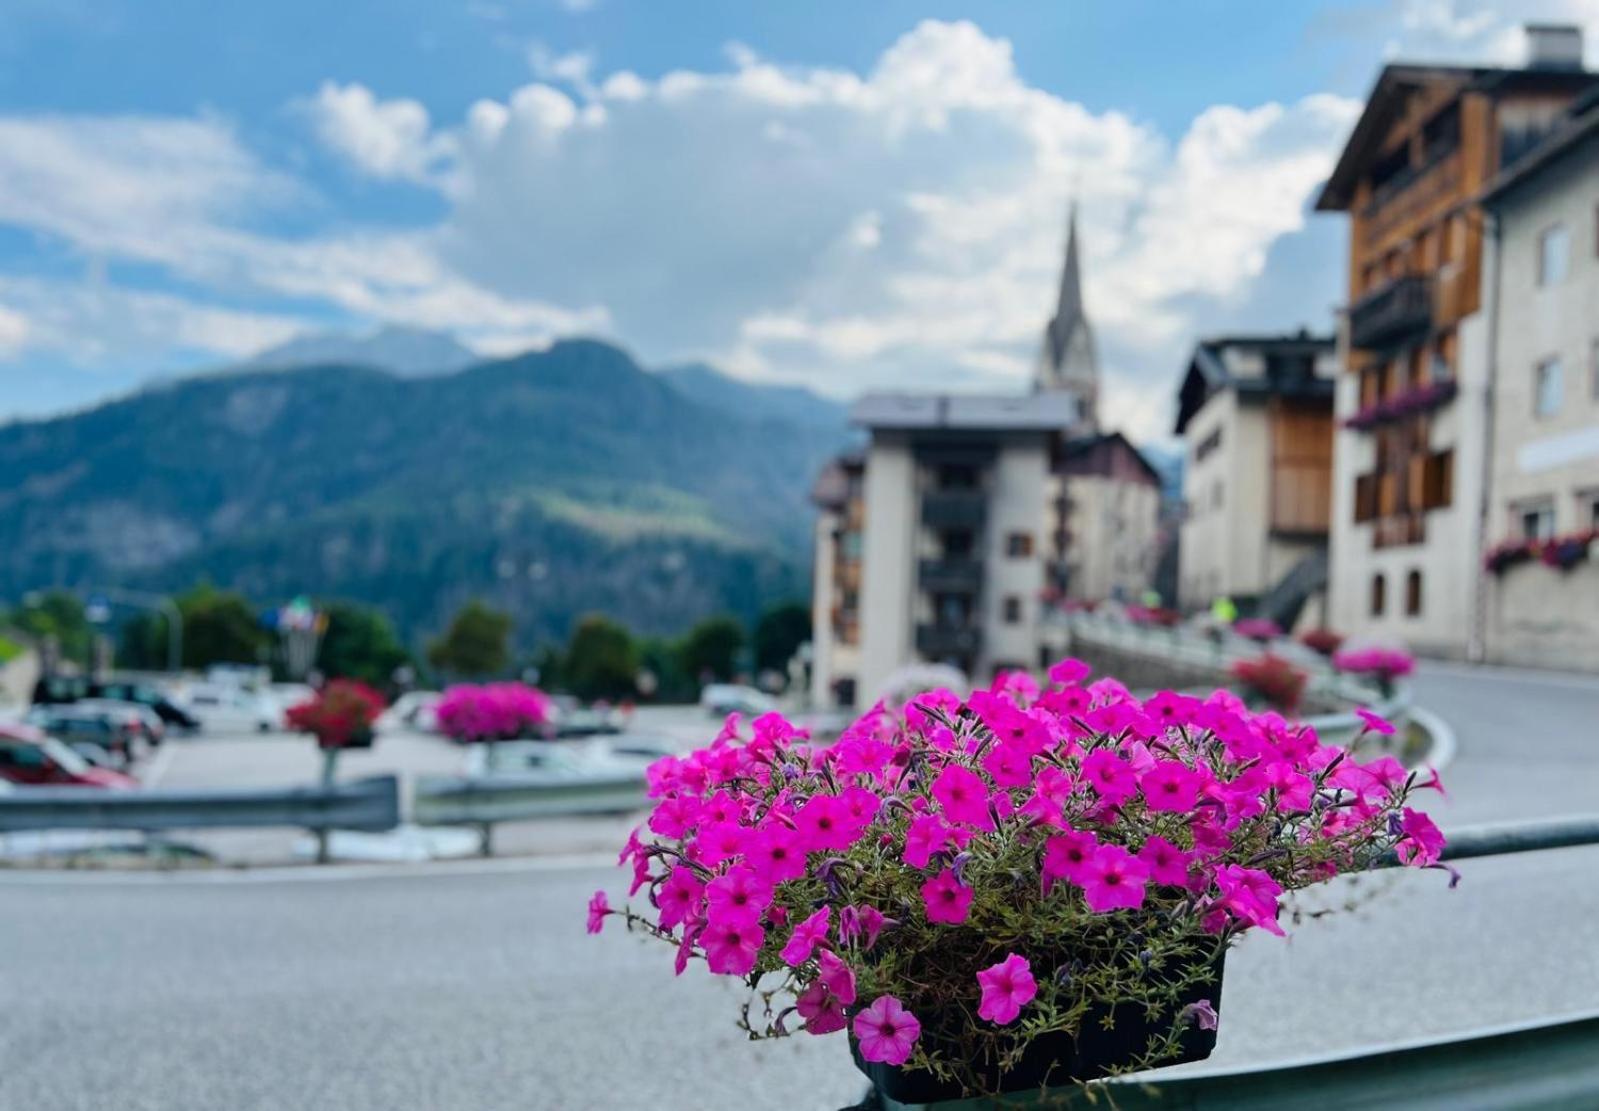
1009,765
862,923
926,835
1007,987
1375,722
1250,895
946,898
964,796
822,1011
1167,863
824,825
599,907
1069,671
1115,880
1170,709
1422,843
1110,776
775,853
887,1032
1170,786
731,946
807,936
679,897
1068,856
836,976
738,896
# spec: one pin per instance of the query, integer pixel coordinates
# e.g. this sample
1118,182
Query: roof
1207,373
1070,316
1040,412
1580,124
1387,101
1079,446
831,488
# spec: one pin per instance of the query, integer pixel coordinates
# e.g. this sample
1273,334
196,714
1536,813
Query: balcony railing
942,642
953,508
950,576
1387,315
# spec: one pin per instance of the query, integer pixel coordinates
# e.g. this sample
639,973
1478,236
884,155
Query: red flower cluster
1324,642
1273,680
1560,552
340,715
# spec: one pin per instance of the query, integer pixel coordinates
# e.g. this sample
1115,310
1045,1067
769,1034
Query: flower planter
1056,1060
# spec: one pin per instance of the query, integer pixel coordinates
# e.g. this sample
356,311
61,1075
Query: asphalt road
453,987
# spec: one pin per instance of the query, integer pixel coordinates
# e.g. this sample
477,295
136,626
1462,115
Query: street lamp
141,599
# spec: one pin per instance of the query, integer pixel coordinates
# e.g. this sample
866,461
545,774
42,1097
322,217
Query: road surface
474,987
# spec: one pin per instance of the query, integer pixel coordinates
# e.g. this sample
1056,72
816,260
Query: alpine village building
1420,486
966,518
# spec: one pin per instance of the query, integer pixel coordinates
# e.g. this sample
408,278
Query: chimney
1554,46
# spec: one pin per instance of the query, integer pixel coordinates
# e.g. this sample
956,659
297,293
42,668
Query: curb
1445,745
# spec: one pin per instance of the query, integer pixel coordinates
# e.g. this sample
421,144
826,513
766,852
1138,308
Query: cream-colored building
1255,415
1411,453
1541,289
1106,499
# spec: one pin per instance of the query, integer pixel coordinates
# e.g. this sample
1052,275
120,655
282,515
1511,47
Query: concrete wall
1016,504
822,643
888,567
1226,548
1542,617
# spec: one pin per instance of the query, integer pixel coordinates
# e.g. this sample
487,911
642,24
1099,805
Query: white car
722,699
412,710
230,709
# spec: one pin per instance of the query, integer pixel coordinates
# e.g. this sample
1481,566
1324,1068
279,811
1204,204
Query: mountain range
552,483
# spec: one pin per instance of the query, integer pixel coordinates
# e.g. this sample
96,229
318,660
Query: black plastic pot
1058,1059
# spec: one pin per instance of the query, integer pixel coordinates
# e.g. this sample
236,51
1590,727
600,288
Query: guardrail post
330,757
485,843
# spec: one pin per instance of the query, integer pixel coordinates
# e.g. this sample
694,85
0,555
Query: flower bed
493,712
1259,629
1324,642
1272,680
1560,552
970,887
1419,399
340,715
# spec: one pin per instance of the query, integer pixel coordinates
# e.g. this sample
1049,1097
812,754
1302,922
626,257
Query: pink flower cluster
958,826
493,712
1382,664
1257,628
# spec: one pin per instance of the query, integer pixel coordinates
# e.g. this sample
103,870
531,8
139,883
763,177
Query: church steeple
1069,360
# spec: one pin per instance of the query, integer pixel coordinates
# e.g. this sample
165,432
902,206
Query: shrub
1272,680
952,883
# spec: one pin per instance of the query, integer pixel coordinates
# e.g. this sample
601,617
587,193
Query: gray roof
1041,412
1207,375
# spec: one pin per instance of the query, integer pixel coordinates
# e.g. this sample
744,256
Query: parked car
228,708
28,756
118,732
155,730
54,690
412,710
729,698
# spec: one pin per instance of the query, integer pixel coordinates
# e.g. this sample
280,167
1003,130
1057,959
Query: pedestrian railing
486,802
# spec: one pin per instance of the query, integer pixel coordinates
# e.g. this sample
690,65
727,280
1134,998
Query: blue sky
844,194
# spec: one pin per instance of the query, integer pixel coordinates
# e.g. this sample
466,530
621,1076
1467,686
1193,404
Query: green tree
779,633
602,660
477,643
219,626
711,648
56,614
359,643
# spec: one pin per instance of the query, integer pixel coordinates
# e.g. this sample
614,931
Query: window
1437,479
1379,594
1413,594
1013,610
1554,250
1537,522
1546,388
1019,545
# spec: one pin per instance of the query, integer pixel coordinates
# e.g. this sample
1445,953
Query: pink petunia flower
824,824
1167,863
807,936
731,947
1007,987
1170,786
1009,765
822,1011
1375,722
836,976
946,898
1115,879
1069,671
1170,710
599,907
926,835
963,795
739,896
862,923
1422,842
1068,856
775,853
1250,895
1110,776
679,897
887,1032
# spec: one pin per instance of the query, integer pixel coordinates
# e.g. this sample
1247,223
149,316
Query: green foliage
662,659
710,650
779,633
56,614
9,649
602,660
359,644
477,643
220,627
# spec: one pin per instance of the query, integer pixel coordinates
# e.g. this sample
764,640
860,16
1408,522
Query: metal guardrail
365,804
484,803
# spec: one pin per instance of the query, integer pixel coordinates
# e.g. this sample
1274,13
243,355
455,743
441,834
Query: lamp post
160,603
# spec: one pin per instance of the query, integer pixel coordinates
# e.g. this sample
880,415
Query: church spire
1069,360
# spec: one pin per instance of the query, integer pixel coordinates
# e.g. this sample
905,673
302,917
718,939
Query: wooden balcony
944,642
1391,314
953,509
950,576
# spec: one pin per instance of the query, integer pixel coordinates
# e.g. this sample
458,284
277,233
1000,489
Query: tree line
601,658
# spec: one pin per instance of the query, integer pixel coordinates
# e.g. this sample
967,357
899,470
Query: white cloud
14,329
897,228
387,139
1483,31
